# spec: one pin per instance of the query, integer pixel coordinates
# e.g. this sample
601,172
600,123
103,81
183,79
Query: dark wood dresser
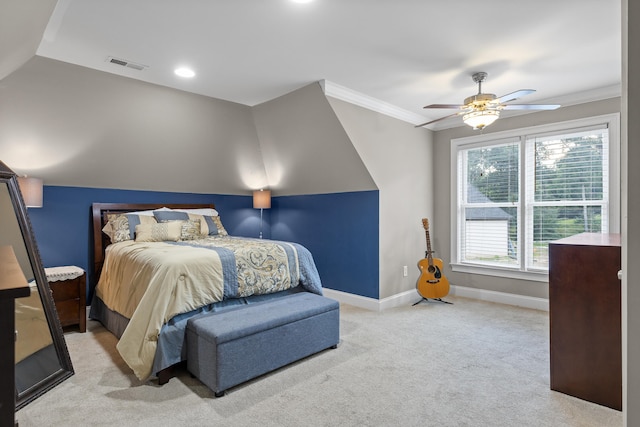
585,317
68,285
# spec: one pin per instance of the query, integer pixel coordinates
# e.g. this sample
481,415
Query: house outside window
514,192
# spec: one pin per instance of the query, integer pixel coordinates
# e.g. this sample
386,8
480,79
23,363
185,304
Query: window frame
612,121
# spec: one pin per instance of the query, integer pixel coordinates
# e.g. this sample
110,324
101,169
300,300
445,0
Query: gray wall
631,211
313,144
399,158
304,147
75,126
443,214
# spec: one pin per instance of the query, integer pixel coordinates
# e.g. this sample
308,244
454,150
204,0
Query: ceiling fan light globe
481,119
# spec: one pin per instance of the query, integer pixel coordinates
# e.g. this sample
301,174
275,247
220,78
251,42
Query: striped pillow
159,232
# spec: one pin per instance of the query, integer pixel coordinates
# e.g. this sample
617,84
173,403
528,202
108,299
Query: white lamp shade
31,189
481,119
262,199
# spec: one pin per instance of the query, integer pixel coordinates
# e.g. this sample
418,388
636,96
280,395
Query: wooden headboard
99,213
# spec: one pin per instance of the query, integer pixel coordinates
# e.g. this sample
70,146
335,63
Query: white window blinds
567,188
515,195
489,203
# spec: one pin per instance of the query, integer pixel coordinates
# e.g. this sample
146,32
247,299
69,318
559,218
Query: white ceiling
401,54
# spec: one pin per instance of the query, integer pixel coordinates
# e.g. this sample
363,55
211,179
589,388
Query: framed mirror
41,357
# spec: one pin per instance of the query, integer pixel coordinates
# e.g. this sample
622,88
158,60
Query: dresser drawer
68,311
65,290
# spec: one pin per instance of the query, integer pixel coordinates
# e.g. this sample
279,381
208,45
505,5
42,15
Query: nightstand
68,285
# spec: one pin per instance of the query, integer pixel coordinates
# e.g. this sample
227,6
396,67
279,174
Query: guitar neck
429,251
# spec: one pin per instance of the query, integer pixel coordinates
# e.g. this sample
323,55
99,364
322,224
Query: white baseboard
352,299
501,297
412,296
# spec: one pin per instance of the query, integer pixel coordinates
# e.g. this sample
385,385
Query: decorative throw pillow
209,225
221,229
108,229
159,232
123,226
190,230
170,215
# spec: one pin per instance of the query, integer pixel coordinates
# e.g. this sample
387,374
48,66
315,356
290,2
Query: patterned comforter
149,283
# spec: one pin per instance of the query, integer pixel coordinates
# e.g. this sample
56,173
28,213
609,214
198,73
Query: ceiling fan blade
437,120
512,96
530,107
456,106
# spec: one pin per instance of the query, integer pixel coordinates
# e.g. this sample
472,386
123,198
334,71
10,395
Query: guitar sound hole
435,271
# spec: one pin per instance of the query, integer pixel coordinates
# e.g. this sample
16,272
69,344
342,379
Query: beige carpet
469,364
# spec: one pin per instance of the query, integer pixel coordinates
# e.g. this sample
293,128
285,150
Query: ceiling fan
482,109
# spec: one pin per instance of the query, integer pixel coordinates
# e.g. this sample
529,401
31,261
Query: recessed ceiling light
302,1
184,72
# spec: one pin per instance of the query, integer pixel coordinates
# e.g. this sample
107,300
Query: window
514,192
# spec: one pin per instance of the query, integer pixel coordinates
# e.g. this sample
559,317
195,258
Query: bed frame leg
219,393
165,375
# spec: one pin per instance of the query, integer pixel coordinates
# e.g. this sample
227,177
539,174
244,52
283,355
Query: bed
158,265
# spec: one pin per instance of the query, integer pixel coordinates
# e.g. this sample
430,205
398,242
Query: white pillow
149,213
202,211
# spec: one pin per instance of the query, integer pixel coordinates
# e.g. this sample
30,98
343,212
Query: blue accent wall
340,230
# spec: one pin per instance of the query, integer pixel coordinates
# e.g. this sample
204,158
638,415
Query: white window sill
541,276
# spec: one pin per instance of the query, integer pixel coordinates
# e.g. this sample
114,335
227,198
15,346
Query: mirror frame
66,368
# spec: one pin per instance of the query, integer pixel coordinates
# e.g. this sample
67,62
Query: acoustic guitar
431,283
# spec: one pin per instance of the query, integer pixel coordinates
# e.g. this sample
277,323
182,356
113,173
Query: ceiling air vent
125,63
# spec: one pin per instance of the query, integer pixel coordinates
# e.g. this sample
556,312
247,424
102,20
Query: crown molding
591,95
344,94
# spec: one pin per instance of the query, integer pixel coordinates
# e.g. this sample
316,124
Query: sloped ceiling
22,24
305,148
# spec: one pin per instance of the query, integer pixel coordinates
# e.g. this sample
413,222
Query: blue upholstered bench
228,348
